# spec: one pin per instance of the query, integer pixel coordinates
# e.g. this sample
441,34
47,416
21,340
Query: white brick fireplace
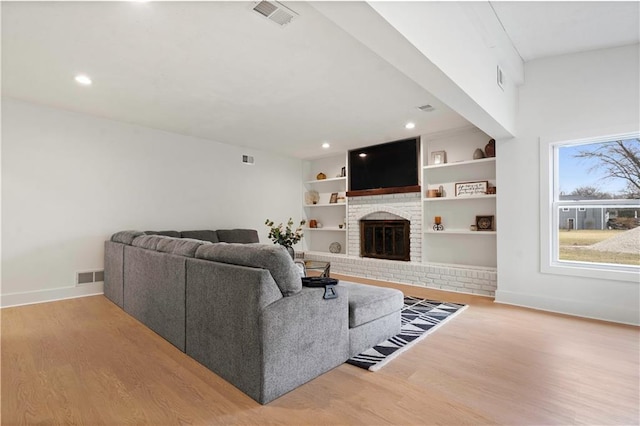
386,207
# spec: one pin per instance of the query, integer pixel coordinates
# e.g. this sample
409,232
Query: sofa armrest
304,336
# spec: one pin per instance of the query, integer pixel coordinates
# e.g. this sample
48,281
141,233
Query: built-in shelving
335,179
460,163
457,244
330,215
461,231
326,228
468,197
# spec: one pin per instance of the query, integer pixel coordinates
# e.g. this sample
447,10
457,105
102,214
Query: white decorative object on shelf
335,247
311,197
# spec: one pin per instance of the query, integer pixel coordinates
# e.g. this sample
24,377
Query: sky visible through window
577,172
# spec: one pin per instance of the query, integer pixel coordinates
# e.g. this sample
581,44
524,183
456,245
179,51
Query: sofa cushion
204,235
368,303
180,246
273,258
149,242
244,236
174,234
125,237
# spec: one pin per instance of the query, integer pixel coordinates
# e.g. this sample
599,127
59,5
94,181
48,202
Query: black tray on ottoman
327,283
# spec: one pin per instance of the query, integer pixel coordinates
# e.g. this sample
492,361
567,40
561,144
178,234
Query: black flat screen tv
388,165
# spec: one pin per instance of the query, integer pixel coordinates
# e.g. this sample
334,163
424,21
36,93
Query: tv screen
389,165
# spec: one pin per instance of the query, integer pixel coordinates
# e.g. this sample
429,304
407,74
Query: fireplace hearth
385,239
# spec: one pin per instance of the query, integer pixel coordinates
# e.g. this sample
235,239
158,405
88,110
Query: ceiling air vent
426,108
275,11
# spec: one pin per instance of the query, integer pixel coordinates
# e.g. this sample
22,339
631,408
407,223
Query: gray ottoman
374,315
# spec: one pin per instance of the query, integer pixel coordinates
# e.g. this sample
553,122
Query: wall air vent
275,12
500,77
248,159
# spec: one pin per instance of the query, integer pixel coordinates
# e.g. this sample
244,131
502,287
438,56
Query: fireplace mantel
384,191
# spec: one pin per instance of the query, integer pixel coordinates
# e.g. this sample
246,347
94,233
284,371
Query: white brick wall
463,279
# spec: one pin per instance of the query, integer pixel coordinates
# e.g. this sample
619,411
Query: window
590,207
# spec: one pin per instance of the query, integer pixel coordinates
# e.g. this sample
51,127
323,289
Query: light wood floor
84,361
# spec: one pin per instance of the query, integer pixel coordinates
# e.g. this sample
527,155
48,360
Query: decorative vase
490,148
291,251
478,154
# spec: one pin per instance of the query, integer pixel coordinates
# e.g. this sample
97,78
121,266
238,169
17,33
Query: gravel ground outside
601,246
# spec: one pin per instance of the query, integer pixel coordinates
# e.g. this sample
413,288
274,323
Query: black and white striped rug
419,318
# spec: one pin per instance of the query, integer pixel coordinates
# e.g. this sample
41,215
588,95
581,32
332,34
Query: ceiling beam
397,31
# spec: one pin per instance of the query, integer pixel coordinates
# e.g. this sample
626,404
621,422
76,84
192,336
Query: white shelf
322,253
336,179
469,197
460,163
324,205
326,228
460,231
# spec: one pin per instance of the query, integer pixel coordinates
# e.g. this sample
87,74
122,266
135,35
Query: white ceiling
542,29
220,71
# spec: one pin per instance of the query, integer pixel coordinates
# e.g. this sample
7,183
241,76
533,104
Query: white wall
588,94
71,180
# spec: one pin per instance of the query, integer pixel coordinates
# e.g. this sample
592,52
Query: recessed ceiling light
83,79
362,154
410,125
326,145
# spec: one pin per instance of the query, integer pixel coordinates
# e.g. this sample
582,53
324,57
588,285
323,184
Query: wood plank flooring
84,361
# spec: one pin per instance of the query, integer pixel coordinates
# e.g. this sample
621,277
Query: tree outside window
597,202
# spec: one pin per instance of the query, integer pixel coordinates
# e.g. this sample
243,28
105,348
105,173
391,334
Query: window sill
595,271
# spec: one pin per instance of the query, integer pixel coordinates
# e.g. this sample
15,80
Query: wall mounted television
392,166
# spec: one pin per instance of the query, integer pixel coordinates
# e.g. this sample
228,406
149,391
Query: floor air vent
89,277
275,12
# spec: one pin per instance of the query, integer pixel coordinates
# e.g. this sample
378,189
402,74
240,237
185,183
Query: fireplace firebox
385,239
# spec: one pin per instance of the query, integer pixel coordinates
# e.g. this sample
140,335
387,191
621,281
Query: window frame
550,206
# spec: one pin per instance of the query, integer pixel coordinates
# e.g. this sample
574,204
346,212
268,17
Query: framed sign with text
466,189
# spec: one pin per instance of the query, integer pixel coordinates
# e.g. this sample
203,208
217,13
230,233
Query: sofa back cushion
273,258
149,242
125,237
204,235
174,234
244,236
154,291
180,246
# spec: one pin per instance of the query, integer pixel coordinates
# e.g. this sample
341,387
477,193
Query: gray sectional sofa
239,308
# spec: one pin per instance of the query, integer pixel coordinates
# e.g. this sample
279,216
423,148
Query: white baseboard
591,310
42,296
